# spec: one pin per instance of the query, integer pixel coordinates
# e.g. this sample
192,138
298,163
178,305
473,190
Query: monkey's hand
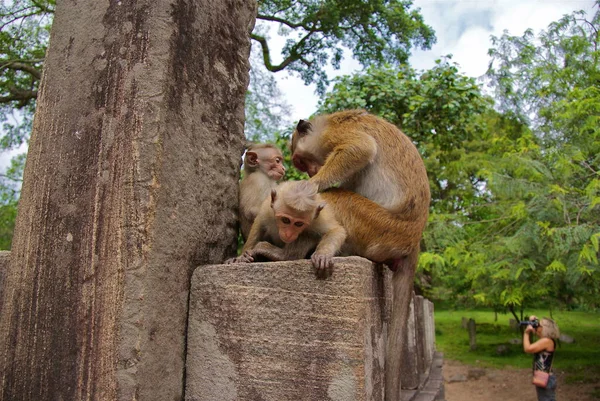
246,257
323,263
321,186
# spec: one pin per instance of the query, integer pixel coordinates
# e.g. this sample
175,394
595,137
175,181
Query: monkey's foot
246,257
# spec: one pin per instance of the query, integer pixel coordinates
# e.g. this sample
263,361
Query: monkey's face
290,225
275,167
306,164
268,160
307,152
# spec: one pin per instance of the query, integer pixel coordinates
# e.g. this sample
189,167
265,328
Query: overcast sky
463,29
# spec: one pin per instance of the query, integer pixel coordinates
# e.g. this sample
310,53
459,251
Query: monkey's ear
319,208
252,158
303,127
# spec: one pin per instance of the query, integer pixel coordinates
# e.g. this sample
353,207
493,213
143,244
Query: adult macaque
263,167
290,225
382,200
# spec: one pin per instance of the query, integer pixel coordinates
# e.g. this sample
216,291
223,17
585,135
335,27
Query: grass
581,360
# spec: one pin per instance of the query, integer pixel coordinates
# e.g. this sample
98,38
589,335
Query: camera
534,323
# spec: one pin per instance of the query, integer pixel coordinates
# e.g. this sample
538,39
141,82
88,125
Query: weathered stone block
272,331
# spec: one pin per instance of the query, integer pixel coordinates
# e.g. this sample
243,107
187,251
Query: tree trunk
131,181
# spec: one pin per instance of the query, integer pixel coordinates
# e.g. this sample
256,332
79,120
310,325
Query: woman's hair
549,328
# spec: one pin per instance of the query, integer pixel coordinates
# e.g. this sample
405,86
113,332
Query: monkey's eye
278,160
298,224
285,220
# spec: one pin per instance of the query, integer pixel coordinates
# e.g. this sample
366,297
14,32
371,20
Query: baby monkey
263,167
290,225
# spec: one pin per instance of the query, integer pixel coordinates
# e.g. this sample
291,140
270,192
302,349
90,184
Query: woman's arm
543,344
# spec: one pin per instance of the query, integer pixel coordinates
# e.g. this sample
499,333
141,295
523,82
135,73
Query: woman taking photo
543,353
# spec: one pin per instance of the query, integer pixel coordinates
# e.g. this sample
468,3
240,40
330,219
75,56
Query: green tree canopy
551,82
375,31
266,110
515,216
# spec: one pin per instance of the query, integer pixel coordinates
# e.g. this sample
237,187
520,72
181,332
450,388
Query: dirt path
504,385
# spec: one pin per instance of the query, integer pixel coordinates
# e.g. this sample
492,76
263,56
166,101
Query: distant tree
515,214
267,112
24,32
10,184
375,31
551,82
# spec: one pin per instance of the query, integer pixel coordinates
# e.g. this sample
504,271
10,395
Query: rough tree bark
130,182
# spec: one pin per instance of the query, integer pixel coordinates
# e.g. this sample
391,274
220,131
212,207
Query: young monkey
263,167
291,224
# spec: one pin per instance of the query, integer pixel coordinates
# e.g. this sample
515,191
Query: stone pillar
421,318
411,349
429,329
272,331
419,344
130,182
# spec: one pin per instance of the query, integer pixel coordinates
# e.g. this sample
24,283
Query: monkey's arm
254,236
248,255
351,152
330,244
257,231
300,248
332,241
269,251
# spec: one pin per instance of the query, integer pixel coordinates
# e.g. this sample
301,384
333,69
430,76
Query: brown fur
382,201
383,224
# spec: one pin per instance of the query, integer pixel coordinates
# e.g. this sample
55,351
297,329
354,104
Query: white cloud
486,18
463,29
302,98
471,52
